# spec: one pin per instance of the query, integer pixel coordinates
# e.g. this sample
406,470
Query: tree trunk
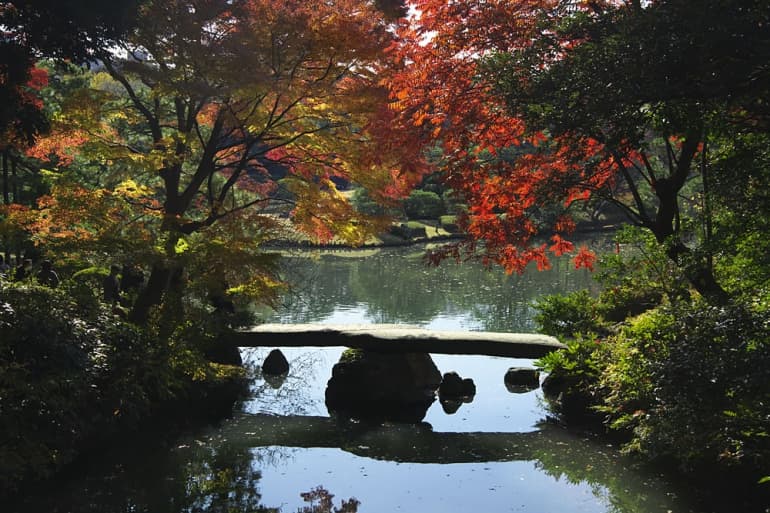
165,277
14,182
698,272
666,229
152,294
6,179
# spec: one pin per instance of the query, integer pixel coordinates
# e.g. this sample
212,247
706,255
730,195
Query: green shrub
423,205
363,203
86,288
410,230
449,223
50,364
452,203
573,375
568,316
638,278
712,389
626,385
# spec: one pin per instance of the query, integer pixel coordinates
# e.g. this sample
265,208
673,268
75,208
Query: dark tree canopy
668,66
67,28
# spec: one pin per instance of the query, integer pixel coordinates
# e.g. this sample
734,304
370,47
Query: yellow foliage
130,189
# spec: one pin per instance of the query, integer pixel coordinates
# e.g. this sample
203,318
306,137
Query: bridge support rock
370,385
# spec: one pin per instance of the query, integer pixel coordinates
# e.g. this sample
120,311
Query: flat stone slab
398,338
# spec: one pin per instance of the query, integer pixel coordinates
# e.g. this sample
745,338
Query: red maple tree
441,99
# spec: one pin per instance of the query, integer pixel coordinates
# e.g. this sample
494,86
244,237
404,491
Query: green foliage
712,392
626,384
352,355
69,378
686,381
637,277
454,204
449,223
739,236
54,369
423,205
568,316
363,202
85,287
573,374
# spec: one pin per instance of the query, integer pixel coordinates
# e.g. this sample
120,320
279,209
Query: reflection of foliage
396,286
611,477
217,479
321,502
291,396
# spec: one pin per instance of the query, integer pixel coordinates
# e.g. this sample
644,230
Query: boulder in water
369,385
275,364
522,379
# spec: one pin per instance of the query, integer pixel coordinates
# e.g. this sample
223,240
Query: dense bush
637,279
69,378
626,385
573,375
423,205
712,389
363,203
568,316
685,382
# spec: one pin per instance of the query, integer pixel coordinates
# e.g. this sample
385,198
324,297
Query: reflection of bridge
406,443
398,338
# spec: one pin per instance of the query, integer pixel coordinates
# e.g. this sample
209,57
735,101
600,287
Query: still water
495,454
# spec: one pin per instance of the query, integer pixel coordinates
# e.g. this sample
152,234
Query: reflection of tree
399,288
192,478
504,303
395,286
209,475
312,285
292,396
320,501
555,451
613,477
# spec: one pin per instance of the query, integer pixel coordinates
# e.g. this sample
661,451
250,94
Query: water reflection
395,286
282,445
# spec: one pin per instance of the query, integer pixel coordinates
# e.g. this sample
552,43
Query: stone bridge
397,338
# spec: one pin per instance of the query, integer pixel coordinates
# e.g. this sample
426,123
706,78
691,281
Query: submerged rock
368,385
275,364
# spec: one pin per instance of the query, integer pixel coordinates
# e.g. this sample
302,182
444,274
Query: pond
496,453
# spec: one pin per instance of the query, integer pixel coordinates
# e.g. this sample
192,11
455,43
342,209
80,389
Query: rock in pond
275,364
367,385
522,379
